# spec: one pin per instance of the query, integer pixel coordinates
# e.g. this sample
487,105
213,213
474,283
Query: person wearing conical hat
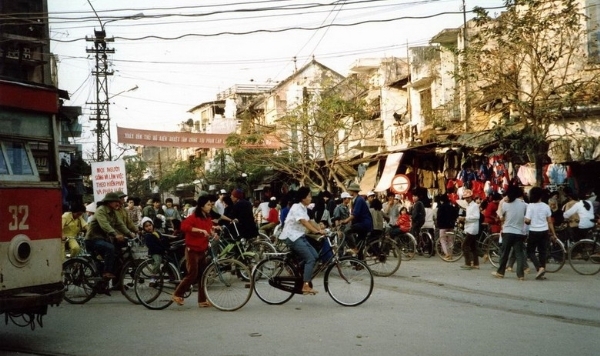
103,229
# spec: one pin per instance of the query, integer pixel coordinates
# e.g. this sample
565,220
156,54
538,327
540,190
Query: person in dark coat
242,216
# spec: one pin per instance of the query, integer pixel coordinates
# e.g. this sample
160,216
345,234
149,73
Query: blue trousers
305,250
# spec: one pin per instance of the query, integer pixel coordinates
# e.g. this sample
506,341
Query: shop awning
368,180
389,171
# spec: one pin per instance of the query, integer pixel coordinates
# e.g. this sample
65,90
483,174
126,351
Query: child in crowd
157,244
404,221
272,218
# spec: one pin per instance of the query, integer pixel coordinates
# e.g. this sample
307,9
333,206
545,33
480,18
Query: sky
181,53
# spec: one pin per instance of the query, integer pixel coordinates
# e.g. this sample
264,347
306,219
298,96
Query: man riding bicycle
106,227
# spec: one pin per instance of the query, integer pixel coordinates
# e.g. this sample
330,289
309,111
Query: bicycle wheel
584,257
223,286
348,281
555,256
425,244
263,280
127,281
455,248
383,256
407,245
77,277
494,249
155,289
260,248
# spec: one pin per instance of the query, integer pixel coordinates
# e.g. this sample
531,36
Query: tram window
17,162
3,166
19,159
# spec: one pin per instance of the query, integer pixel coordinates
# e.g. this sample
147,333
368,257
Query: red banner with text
183,139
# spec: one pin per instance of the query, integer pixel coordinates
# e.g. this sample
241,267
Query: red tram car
30,202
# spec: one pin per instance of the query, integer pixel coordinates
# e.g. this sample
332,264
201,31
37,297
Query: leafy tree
530,62
180,172
314,138
137,183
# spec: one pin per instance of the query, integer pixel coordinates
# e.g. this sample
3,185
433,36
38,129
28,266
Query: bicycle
455,248
555,253
425,243
406,243
380,253
487,245
347,280
223,282
247,251
584,255
83,280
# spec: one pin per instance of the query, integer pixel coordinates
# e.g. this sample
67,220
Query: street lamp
124,91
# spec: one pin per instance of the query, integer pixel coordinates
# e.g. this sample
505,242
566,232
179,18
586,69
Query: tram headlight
19,251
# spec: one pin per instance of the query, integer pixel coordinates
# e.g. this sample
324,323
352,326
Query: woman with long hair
294,235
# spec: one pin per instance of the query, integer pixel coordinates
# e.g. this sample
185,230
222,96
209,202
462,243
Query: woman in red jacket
198,228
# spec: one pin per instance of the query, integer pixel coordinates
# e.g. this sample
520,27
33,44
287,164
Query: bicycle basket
139,252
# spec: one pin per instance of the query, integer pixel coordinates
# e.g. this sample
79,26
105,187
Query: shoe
306,289
205,304
486,258
521,279
508,269
526,270
466,267
475,267
541,273
178,300
497,275
108,275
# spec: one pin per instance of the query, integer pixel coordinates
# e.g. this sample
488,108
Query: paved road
429,307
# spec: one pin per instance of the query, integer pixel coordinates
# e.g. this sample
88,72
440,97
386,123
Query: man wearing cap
219,204
471,220
360,219
370,197
122,212
103,229
342,211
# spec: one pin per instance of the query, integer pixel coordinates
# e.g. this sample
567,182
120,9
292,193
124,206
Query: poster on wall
108,176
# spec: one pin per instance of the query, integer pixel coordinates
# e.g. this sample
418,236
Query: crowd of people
298,217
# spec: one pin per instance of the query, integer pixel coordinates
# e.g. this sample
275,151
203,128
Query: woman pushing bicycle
294,232
198,228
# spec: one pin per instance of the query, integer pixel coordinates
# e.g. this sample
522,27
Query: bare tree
315,137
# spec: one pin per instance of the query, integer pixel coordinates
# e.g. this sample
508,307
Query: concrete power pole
101,112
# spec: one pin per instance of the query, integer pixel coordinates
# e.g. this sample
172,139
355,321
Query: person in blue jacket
360,219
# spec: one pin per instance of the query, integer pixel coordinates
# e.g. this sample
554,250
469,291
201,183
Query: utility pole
465,68
101,112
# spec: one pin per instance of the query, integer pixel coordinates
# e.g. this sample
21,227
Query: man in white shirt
220,204
471,220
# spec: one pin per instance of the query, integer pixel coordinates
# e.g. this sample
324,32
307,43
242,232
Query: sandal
306,289
205,304
178,300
